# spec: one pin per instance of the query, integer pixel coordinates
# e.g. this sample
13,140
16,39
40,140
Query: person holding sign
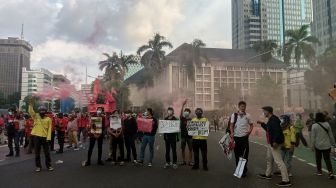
97,125
130,130
170,141
186,140
200,142
149,138
116,137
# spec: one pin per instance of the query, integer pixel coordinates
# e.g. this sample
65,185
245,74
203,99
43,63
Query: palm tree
299,44
266,48
116,66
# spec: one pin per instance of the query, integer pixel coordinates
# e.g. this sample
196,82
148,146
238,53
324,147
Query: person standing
53,124
29,138
96,135
241,127
21,132
62,123
170,141
298,128
322,142
82,124
216,122
200,143
149,139
42,134
117,139
12,127
186,140
72,131
130,130
275,139
309,123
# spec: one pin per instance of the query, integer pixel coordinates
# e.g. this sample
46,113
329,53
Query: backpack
234,123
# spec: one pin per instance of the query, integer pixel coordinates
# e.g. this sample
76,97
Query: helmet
285,120
42,108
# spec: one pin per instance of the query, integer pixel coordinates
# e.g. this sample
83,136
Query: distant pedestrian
322,142
275,139
309,124
298,128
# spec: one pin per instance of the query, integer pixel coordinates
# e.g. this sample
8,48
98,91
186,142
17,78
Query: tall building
257,20
14,55
85,93
60,79
324,23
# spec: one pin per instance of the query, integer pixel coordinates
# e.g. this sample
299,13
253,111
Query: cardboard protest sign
198,128
96,125
240,167
169,126
145,125
115,123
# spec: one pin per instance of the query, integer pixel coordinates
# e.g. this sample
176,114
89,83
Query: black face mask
199,115
42,114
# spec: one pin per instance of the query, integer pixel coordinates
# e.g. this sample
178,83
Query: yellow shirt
289,135
42,126
200,120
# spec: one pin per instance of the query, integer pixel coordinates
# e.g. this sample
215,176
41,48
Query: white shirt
242,127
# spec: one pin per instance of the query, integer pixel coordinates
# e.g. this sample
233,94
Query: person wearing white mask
170,141
186,140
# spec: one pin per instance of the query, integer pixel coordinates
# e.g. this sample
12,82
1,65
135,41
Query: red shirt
2,122
12,119
29,126
63,123
53,121
83,122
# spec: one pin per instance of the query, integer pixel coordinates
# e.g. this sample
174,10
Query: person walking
42,134
12,128
241,127
72,131
170,141
186,140
322,142
275,139
298,128
29,142
61,125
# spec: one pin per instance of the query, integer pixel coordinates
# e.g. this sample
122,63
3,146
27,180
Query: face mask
10,113
170,112
199,114
185,114
282,121
145,114
42,114
99,112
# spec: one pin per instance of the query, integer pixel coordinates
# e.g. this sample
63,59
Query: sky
68,35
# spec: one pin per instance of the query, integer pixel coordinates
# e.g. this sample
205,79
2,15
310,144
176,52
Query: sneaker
195,167
10,155
140,163
166,165
86,163
284,184
263,176
319,173
122,163
331,176
69,146
290,174
50,168
38,169
135,162
174,166
76,149
150,165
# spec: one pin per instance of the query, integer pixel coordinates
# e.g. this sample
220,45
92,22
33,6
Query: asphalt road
19,172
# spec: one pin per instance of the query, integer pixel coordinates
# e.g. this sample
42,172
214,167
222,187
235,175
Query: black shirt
130,127
184,124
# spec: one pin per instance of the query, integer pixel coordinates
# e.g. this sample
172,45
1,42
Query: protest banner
115,123
96,125
145,125
198,128
169,126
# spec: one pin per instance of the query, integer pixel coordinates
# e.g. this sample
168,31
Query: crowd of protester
36,130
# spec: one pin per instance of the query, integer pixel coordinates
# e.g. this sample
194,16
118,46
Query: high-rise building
60,79
35,81
14,55
257,20
324,23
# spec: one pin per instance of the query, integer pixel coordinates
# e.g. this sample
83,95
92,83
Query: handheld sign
198,128
96,125
115,123
169,126
145,125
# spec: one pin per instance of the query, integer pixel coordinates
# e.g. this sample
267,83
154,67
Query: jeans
29,142
60,137
21,134
100,147
274,155
171,144
299,136
326,157
200,145
242,149
130,147
117,143
287,157
150,141
14,137
83,131
41,142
